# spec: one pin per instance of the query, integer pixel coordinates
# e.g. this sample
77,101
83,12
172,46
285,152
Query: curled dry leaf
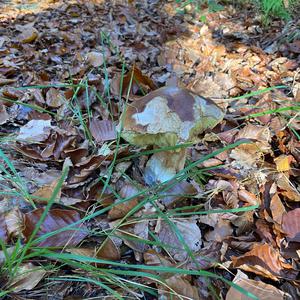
27,278
45,192
56,219
4,116
189,232
291,225
177,289
266,261
120,210
222,230
138,81
108,250
95,59
55,98
103,130
177,193
35,131
3,228
259,289
28,35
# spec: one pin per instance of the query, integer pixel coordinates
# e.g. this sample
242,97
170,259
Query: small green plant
197,5
273,9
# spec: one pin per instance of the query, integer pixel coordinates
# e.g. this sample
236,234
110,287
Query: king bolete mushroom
166,117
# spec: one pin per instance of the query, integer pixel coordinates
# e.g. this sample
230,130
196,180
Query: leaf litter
167,192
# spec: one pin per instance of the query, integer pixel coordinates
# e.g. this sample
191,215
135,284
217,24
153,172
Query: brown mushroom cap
168,116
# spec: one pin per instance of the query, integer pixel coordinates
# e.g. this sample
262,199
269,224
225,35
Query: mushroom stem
164,165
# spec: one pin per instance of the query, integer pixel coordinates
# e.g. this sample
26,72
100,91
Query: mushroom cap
168,116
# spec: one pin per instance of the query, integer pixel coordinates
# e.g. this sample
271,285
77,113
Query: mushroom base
163,166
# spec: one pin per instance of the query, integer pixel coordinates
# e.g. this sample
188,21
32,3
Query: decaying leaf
120,210
103,130
55,98
177,288
3,228
95,59
4,116
56,219
27,278
28,35
177,193
138,82
266,261
291,225
259,289
189,232
35,131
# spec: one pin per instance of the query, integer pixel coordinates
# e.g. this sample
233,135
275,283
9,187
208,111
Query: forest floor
78,218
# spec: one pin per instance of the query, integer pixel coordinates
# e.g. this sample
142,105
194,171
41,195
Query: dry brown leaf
291,225
190,233
283,162
103,130
55,98
4,116
121,209
177,193
222,230
3,228
35,131
259,289
45,192
28,35
109,250
266,261
56,219
95,59
177,288
138,81
287,188
14,222
277,208
27,278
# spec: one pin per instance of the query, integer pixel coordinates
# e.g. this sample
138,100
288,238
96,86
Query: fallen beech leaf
190,233
14,222
257,288
28,35
222,230
3,228
45,192
95,59
55,98
120,210
4,116
177,193
277,208
287,188
266,261
140,230
108,250
138,81
291,225
178,288
27,278
283,162
35,131
56,219
152,258
103,130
